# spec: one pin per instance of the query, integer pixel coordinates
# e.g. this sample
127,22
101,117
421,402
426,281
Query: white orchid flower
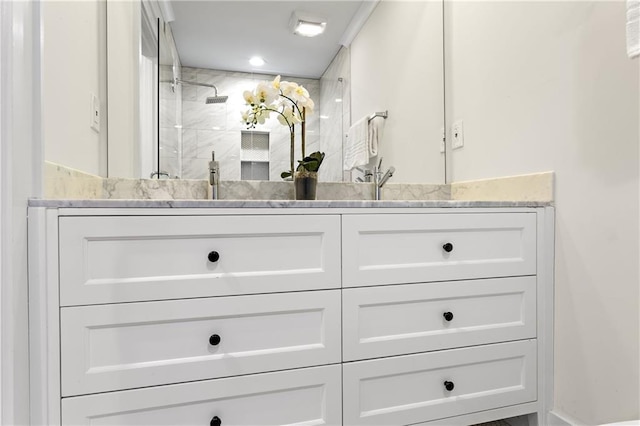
262,116
249,97
288,117
266,93
285,97
299,94
308,105
284,116
260,119
276,83
287,88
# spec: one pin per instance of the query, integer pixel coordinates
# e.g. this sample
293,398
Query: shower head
216,99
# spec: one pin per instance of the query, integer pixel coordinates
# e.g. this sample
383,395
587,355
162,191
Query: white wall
548,86
74,66
123,28
396,65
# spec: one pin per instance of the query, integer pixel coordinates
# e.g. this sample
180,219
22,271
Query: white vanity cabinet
271,316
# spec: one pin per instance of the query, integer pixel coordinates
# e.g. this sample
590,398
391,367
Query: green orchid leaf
319,156
312,162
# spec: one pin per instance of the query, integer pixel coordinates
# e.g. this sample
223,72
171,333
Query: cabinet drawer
123,346
403,319
411,389
311,396
127,258
411,248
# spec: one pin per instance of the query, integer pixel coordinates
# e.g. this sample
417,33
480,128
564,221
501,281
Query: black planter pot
305,184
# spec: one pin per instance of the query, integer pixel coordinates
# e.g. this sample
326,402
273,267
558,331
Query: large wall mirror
384,56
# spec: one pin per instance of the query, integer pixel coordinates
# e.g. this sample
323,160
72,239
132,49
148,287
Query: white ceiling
223,35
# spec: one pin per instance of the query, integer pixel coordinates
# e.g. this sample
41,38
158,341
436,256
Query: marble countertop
104,203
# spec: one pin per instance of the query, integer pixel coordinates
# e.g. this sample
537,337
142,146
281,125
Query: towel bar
383,114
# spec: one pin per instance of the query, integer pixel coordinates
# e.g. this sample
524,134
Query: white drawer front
410,248
310,396
124,346
124,259
411,388
404,319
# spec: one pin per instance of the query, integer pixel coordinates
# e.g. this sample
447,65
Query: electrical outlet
95,113
457,135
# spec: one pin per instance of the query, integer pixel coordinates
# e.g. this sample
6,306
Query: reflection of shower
210,99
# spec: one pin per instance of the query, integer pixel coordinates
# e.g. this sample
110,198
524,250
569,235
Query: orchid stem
303,132
292,156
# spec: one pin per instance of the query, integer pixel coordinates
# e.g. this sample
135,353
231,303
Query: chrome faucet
380,179
214,175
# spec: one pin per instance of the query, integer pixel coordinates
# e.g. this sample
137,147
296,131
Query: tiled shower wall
218,127
335,119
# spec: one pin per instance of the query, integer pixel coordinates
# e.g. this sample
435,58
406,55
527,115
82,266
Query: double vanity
270,313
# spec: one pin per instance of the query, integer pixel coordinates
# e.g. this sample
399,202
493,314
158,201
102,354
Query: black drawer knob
215,421
213,256
214,340
449,385
448,247
448,316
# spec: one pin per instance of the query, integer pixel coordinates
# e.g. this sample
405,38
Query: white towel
375,135
356,149
633,28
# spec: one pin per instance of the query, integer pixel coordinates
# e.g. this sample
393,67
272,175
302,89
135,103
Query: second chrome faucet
379,178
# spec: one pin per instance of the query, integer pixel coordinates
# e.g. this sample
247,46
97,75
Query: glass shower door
168,154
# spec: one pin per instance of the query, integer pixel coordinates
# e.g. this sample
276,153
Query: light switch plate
95,113
457,135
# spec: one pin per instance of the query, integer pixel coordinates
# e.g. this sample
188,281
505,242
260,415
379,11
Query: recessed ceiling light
256,61
306,25
338,100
